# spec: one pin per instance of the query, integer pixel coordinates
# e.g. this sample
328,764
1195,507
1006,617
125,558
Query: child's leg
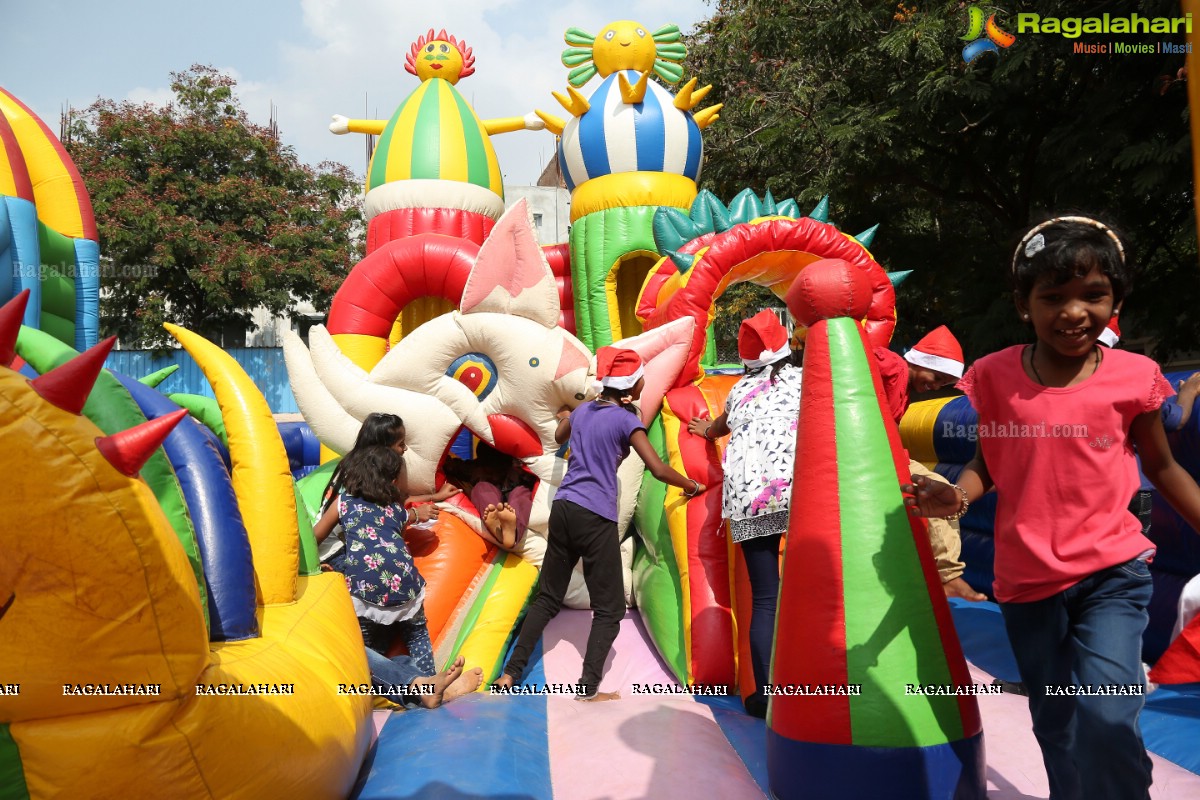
521,499
485,496
762,564
376,637
604,576
1041,641
416,635
552,588
1109,617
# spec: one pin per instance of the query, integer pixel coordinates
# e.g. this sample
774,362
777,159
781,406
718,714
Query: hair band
1028,241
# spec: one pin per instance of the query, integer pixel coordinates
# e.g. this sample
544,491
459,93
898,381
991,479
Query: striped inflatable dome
651,136
435,134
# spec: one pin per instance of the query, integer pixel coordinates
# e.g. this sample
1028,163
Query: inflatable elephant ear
511,275
664,351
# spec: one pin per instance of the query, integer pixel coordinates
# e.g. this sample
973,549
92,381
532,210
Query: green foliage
205,216
869,101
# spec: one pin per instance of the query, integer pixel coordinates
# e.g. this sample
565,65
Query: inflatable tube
382,284
771,253
261,478
212,505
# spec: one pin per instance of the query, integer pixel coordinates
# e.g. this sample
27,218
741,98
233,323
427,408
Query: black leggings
575,533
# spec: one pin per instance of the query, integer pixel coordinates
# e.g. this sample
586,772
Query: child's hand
698,426
447,491
424,512
563,413
1189,387
931,498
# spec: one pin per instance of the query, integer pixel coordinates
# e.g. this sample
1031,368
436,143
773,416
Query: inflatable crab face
502,377
500,367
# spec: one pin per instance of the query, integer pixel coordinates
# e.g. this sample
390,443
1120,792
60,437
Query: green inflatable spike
788,208
866,237
578,36
683,261
206,410
574,56
897,278
672,52
667,33
745,206
769,204
668,70
111,409
672,229
310,561
821,212
155,378
581,75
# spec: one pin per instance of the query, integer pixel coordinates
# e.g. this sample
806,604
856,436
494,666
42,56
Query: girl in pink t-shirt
1058,420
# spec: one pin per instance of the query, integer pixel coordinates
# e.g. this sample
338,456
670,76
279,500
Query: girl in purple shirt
583,517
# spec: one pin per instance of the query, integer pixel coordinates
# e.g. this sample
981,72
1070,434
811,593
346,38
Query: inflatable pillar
872,693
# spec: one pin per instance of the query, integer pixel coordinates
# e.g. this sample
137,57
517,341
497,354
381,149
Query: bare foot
508,525
465,684
432,698
491,521
599,697
505,681
957,587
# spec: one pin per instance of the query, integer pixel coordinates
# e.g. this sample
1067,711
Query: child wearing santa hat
933,363
583,517
761,412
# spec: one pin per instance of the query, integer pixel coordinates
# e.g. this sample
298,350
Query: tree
869,101
204,216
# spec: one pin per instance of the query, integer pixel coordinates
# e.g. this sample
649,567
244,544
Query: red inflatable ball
828,289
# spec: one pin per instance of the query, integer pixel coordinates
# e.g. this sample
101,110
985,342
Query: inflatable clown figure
628,148
433,172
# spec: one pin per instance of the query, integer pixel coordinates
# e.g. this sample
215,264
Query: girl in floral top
387,590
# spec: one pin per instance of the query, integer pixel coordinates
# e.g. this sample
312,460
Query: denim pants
393,675
762,565
1089,635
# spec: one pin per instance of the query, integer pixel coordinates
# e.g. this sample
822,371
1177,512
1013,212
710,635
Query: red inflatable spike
67,386
129,450
11,314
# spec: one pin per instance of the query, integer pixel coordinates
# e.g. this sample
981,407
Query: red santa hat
762,340
939,351
1111,333
617,368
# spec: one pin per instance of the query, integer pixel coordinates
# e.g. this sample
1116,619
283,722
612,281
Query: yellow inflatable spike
708,116
553,124
262,480
574,102
632,94
689,96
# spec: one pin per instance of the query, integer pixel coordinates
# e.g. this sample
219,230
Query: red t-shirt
1063,466
893,371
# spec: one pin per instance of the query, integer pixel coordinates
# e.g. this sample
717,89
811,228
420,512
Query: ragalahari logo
984,37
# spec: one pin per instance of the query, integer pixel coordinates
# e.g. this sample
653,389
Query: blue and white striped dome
651,136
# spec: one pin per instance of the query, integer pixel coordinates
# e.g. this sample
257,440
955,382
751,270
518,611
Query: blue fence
264,365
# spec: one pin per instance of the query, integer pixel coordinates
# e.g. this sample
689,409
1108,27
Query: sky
311,58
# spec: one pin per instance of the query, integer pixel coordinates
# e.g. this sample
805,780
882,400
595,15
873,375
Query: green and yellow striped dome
435,134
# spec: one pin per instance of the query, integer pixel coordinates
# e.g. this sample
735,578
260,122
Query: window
537,221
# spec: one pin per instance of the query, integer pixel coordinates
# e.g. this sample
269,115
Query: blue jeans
1087,635
762,565
393,675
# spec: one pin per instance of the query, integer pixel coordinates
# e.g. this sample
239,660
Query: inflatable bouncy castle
177,633
48,242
